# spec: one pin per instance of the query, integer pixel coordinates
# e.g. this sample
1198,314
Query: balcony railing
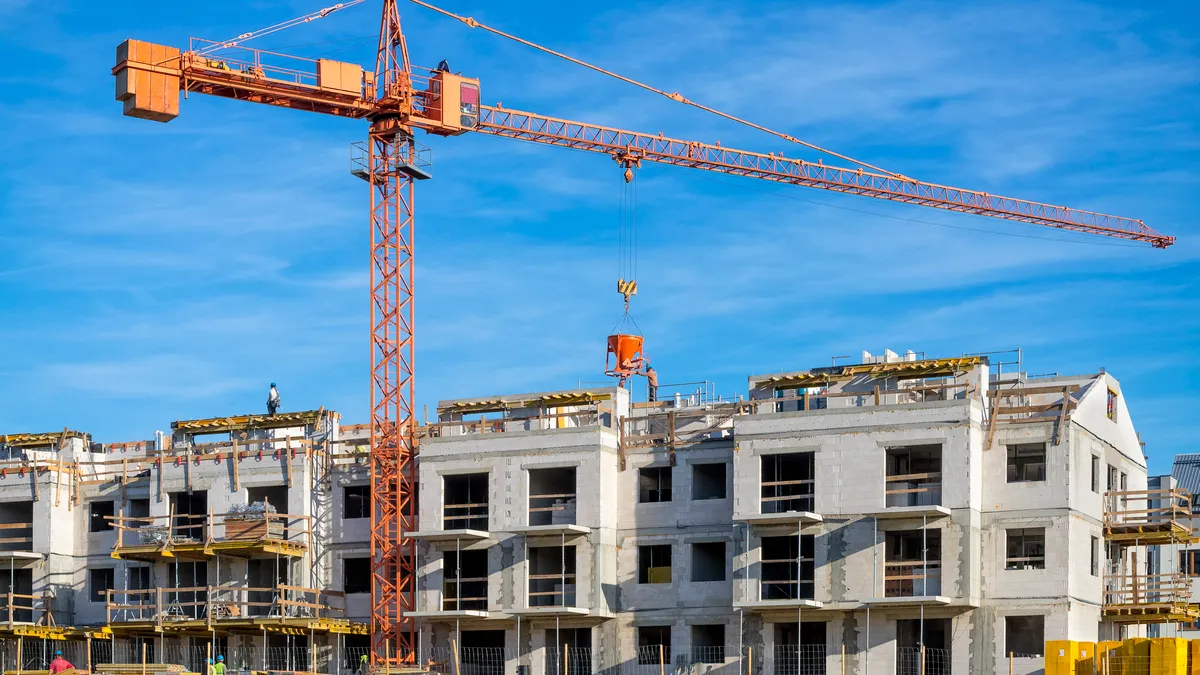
586,417
25,609
249,528
680,427
16,537
860,399
915,489
464,594
1147,589
909,579
785,496
1148,516
556,508
552,590
216,603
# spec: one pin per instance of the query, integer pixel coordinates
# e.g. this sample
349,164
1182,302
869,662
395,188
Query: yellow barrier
1061,656
1169,656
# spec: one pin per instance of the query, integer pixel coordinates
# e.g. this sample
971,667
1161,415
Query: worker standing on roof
273,400
59,664
651,384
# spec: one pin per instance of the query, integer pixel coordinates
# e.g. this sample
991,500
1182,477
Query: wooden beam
236,458
991,432
1062,415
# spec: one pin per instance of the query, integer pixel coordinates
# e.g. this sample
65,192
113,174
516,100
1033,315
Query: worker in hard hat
651,384
218,668
273,400
59,664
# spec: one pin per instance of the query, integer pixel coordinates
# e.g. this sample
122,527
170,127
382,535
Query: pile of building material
249,521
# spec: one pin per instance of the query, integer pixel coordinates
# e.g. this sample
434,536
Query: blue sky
160,272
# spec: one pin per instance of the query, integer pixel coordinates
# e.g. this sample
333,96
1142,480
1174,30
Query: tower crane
396,101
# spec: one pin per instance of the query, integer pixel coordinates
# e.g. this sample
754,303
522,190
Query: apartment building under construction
898,515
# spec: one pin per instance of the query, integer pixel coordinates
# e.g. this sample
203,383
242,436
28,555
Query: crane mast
397,102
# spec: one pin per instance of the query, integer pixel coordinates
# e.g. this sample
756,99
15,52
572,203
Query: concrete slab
19,559
900,512
568,531
448,535
449,614
769,605
910,601
553,611
794,518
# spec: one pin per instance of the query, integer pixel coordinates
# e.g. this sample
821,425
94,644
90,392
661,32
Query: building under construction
900,515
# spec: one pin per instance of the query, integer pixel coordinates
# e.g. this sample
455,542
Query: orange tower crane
397,101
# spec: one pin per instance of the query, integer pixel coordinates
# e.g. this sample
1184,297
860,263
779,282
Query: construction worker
651,384
363,663
59,664
273,400
219,667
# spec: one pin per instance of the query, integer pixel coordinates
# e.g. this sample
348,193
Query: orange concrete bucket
623,348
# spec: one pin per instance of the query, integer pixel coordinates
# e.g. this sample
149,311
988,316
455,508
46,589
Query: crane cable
244,37
674,96
627,238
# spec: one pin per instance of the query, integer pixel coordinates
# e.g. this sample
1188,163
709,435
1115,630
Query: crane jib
657,148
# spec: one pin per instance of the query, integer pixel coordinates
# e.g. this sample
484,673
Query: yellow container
1061,656
1137,656
1194,649
1103,649
1168,656
1085,663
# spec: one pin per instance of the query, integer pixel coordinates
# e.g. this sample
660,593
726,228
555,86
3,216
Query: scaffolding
1133,591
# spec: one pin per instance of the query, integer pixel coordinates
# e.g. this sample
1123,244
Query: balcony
552,582
787,574
787,491
912,568
553,504
914,476
228,608
244,533
16,532
464,510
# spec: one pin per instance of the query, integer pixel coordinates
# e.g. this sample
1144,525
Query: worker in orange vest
59,664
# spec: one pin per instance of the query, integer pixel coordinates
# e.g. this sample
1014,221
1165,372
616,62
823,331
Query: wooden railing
680,427
1146,507
463,516
860,399
174,529
453,588
25,609
590,416
907,578
799,497
561,593
215,603
914,489
1147,589
543,507
782,580
16,537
